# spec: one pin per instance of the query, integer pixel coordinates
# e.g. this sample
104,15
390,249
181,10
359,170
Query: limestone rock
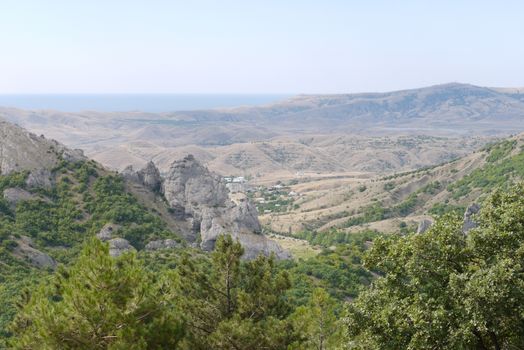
130,174
256,244
424,225
191,186
73,155
21,150
149,176
15,195
40,178
162,244
35,257
197,195
468,217
236,219
106,233
119,246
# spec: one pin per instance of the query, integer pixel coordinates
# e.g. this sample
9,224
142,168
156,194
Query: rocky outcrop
189,188
40,178
256,244
21,150
130,174
197,195
72,155
106,233
470,212
15,195
424,225
233,218
162,244
26,251
149,176
119,246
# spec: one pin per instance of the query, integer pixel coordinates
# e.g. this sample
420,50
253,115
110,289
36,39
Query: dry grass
299,248
328,203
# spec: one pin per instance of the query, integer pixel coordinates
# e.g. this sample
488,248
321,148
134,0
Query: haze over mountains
366,132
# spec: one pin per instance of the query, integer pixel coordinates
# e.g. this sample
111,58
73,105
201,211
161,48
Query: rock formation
197,195
130,174
15,195
40,178
149,176
21,150
468,217
424,225
106,233
119,246
25,251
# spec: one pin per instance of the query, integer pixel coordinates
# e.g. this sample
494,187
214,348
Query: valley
388,203
383,162
310,209
261,175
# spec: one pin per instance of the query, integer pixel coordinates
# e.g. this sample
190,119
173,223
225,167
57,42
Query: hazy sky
252,46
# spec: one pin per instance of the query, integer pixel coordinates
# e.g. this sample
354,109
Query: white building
239,179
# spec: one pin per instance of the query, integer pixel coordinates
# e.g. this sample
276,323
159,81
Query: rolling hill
390,203
306,133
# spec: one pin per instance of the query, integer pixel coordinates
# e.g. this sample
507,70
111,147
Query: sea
135,102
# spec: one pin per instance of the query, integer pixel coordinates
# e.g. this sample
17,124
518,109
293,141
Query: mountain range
365,132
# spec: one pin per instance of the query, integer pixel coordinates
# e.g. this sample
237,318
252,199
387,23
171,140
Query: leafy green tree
318,322
99,303
445,289
232,304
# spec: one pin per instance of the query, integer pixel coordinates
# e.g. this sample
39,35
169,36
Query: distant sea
135,102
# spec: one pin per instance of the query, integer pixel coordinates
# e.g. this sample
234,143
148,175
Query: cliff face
199,196
149,176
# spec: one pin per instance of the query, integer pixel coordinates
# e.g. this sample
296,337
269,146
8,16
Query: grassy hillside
59,219
85,197
392,203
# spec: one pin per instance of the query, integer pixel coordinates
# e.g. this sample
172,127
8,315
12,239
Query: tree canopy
231,304
443,289
446,289
99,303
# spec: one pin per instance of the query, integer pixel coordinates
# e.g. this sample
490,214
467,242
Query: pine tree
318,322
232,304
99,303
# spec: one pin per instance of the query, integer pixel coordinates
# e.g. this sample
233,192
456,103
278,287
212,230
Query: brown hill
307,133
353,203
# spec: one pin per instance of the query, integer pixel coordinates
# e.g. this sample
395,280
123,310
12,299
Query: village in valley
278,198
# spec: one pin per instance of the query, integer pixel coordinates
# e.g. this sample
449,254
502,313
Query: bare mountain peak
22,150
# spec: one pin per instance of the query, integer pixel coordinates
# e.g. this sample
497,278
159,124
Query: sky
257,46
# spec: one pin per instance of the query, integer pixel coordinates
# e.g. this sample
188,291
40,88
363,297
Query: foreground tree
99,303
447,290
232,304
318,322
